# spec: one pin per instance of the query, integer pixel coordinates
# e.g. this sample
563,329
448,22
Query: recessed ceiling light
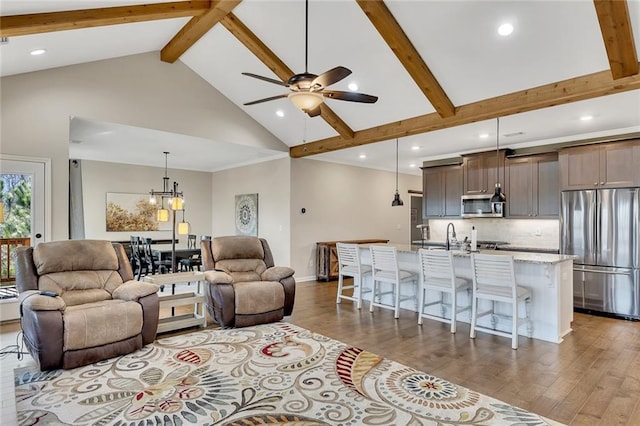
362,156
505,29
483,135
353,86
280,113
37,52
415,148
586,118
412,165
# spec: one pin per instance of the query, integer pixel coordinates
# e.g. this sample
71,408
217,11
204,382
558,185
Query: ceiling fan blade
330,77
270,80
350,96
272,98
314,112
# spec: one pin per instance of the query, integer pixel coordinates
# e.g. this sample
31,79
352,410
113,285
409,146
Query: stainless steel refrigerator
600,227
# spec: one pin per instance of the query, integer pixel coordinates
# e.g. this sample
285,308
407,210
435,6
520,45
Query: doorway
416,219
23,198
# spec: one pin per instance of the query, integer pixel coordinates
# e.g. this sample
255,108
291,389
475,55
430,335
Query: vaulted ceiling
441,71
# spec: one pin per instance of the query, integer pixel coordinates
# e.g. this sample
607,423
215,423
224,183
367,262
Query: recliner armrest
218,277
277,273
134,290
34,301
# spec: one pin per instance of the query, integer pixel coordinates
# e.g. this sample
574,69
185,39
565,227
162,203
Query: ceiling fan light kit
306,101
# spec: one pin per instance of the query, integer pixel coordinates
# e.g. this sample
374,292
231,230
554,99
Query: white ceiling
552,41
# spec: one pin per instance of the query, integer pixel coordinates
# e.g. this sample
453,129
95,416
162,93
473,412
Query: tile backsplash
517,232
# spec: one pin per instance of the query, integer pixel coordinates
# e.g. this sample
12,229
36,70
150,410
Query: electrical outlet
537,232
398,226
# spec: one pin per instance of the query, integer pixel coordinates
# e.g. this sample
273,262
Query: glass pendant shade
152,200
306,100
396,200
184,228
498,196
163,215
177,203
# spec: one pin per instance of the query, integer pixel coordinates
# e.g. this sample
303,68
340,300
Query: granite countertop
518,256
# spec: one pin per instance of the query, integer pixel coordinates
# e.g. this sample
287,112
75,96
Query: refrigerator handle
603,272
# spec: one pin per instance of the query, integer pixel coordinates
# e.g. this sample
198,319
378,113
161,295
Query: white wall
137,90
344,202
98,178
271,181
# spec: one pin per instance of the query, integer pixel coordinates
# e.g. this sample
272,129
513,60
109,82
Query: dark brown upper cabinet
608,165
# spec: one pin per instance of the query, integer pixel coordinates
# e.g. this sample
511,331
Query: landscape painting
132,213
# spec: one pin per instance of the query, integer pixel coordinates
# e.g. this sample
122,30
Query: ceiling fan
309,90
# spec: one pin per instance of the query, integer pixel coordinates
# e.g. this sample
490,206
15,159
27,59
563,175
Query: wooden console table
327,257
195,298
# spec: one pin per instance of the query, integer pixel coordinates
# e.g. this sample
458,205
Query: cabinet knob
601,183
595,183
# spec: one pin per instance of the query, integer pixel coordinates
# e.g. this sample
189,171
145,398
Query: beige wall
271,181
98,178
344,202
137,90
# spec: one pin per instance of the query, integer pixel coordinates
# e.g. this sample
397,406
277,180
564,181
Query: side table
195,298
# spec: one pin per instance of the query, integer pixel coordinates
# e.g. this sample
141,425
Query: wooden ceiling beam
615,25
37,23
563,92
393,34
279,68
195,29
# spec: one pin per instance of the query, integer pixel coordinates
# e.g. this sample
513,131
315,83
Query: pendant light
396,198
498,195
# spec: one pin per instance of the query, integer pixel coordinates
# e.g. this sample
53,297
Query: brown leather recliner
99,312
243,287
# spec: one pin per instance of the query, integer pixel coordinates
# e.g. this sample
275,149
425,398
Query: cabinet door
579,167
520,189
475,175
617,166
453,177
432,192
547,203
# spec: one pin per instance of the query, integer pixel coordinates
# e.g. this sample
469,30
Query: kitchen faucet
453,235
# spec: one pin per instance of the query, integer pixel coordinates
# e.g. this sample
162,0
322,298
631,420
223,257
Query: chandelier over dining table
175,201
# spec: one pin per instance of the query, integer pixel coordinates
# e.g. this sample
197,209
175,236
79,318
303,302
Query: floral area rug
274,374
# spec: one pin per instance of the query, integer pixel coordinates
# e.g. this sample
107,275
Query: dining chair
385,269
349,265
494,281
139,263
156,264
437,275
194,260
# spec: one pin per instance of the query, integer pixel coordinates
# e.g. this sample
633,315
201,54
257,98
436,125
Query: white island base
548,276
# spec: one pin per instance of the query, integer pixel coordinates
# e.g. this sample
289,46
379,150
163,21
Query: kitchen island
549,276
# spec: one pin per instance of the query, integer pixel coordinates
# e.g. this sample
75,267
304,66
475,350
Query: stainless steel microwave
480,205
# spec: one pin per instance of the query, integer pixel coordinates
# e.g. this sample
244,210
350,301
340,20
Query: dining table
164,253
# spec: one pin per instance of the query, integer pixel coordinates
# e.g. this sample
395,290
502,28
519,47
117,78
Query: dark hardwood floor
592,378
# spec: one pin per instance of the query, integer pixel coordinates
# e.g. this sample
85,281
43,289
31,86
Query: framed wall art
128,212
246,214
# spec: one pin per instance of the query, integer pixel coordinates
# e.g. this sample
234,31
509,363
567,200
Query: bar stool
384,264
437,274
494,280
349,266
